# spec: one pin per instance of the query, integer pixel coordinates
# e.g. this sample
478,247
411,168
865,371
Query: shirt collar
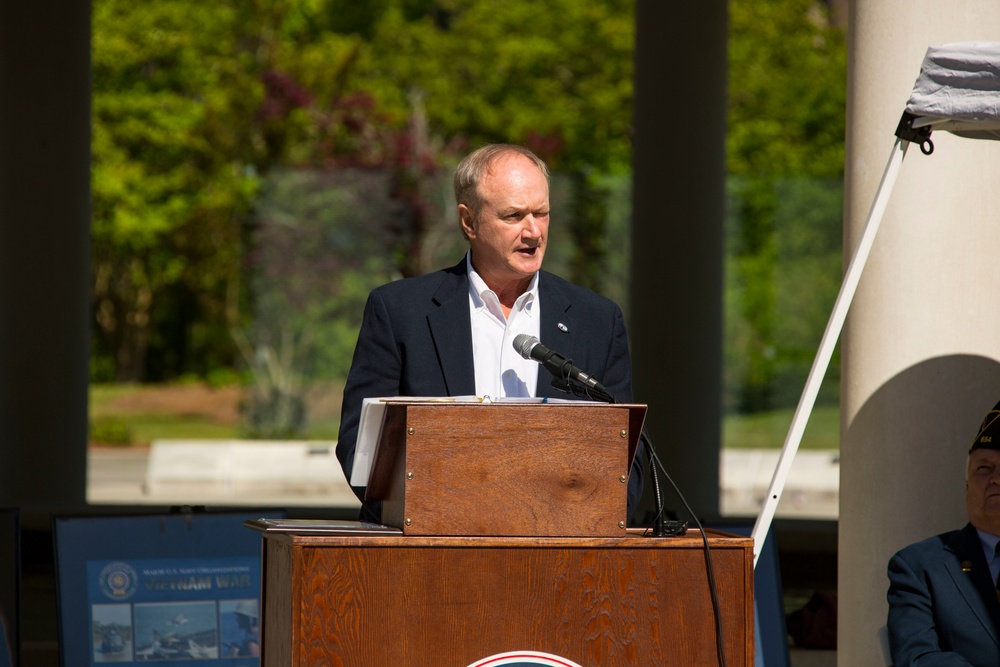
478,287
989,541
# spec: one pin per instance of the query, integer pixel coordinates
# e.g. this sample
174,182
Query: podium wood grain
506,468
414,601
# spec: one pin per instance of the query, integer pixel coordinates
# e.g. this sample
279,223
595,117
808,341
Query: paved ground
273,474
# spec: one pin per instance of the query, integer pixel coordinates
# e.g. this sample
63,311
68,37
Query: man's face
508,235
982,490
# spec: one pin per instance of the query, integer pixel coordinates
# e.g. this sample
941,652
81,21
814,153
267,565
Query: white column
921,349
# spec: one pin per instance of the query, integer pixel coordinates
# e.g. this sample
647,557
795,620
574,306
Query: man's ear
466,219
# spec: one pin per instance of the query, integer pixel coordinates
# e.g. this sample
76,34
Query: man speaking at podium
451,332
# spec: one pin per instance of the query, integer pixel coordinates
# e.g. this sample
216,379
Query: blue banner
179,588
189,610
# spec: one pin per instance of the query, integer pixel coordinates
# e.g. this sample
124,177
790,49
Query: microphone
530,347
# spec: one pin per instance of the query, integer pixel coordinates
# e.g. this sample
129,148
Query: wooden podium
504,469
376,600
509,536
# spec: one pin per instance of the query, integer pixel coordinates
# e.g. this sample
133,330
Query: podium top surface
320,527
307,532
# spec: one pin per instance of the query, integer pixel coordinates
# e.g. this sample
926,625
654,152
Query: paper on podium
373,414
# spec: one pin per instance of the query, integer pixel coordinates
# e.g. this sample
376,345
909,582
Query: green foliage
110,430
768,430
274,414
787,89
170,167
259,165
321,241
785,154
557,76
779,296
195,104
223,376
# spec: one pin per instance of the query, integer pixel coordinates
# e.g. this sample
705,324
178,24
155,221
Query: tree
172,176
195,103
208,116
557,79
787,94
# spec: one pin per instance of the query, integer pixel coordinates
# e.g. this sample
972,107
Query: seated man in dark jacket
943,599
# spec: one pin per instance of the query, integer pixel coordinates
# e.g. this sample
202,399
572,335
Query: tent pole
827,343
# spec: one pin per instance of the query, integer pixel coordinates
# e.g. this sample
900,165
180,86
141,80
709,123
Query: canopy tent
958,90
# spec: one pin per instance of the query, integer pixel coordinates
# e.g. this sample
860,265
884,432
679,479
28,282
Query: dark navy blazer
943,607
416,340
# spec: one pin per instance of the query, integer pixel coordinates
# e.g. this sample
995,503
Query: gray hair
471,171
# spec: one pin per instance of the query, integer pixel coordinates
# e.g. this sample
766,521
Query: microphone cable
709,566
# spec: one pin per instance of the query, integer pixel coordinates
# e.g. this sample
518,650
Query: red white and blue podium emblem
524,659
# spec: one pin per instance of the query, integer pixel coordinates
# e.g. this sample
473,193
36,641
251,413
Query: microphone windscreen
523,344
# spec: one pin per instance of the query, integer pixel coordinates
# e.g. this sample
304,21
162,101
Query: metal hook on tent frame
918,135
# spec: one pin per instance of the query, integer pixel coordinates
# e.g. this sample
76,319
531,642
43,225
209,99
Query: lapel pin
966,566
563,328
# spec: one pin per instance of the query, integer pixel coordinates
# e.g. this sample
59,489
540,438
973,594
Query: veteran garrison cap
989,431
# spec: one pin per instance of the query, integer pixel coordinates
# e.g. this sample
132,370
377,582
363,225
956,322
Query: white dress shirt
989,542
500,370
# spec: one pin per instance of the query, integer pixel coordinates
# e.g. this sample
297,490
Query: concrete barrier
246,472
812,490
290,474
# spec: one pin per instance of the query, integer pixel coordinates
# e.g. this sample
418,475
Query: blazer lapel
451,327
972,578
557,330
